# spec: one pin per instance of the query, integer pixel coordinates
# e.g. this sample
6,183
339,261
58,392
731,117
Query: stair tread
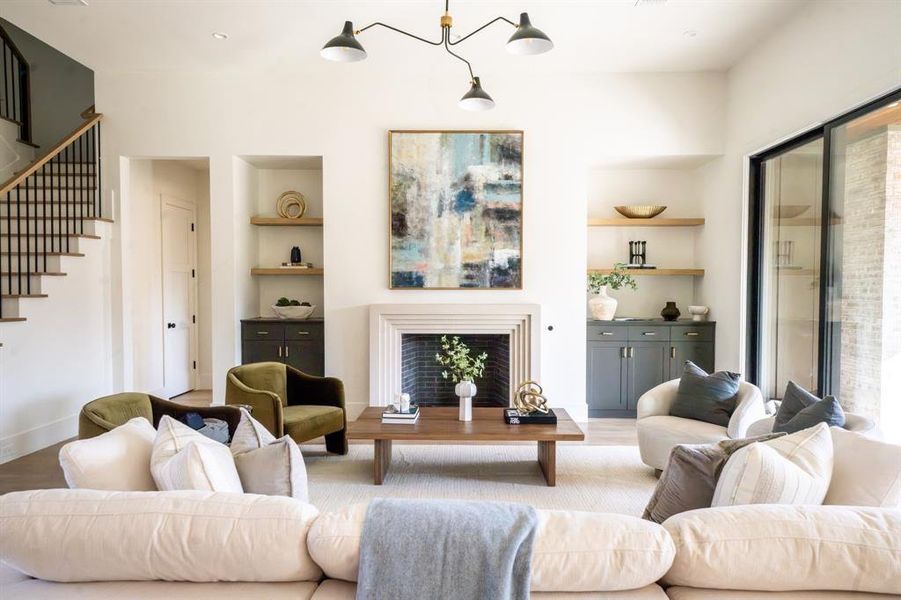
32,234
23,296
33,273
43,253
11,319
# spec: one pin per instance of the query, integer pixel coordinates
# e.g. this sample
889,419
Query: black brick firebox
421,373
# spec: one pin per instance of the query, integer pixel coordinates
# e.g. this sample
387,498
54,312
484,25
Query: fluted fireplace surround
388,323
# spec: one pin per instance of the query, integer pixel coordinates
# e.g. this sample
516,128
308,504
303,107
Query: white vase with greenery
462,368
602,306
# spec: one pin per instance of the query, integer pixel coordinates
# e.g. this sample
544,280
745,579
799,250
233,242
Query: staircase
50,205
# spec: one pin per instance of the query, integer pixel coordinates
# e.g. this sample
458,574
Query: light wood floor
40,470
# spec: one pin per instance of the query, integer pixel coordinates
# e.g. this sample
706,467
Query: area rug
589,478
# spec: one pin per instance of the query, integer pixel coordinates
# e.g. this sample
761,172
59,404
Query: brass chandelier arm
415,37
469,35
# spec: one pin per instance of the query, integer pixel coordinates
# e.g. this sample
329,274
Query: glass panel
792,187
863,338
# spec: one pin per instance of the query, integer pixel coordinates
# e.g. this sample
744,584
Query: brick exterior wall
421,374
871,270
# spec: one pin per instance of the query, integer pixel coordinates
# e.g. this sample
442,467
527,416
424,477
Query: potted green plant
602,306
462,368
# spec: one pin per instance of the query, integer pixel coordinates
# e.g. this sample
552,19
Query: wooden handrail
11,183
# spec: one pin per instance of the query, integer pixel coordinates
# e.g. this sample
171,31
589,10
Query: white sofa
97,544
659,432
853,422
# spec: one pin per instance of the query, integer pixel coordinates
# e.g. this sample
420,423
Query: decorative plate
291,205
640,211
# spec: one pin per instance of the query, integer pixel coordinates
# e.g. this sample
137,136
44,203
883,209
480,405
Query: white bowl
293,312
699,312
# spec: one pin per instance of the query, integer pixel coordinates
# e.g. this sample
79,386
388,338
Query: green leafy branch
615,280
460,365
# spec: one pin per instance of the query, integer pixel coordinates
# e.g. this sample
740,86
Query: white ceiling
590,36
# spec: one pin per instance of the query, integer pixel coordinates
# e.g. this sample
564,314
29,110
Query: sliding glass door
824,286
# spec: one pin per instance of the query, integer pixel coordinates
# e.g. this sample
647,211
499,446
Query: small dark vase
670,312
295,255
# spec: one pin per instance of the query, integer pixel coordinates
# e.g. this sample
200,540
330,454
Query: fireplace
394,328
421,375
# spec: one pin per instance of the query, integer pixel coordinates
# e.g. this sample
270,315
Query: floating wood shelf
289,271
645,222
654,272
282,222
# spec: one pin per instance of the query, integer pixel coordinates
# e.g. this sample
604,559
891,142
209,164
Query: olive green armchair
106,413
287,401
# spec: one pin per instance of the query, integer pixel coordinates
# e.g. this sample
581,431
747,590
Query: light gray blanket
453,550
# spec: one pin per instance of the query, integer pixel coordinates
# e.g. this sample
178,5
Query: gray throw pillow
703,397
801,410
689,478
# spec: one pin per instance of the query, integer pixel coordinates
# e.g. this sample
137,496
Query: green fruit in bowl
305,304
295,303
282,302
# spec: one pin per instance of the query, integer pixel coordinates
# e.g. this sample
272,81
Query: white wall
58,359
570,122
148,181
829,58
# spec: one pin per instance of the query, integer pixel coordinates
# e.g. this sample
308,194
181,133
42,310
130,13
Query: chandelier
526,40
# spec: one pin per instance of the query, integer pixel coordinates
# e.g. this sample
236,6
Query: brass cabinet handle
672,352
606,333
631,352
303,333
692,333
279,351
262,333
649,333
623,352
286,352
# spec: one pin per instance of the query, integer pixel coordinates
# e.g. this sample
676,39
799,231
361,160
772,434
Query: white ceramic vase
602,306
465,390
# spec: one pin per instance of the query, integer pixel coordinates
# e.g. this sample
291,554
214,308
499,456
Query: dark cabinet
628,358
297,343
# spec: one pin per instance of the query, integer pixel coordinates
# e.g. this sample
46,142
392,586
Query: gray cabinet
297,343
628,358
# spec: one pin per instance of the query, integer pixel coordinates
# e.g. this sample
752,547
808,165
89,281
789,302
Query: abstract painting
456,209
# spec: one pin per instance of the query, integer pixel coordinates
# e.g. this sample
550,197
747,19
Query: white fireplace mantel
388,322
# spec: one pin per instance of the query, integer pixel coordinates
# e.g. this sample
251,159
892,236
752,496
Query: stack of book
392,415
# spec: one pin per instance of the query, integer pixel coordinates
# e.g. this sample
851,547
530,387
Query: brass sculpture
530,398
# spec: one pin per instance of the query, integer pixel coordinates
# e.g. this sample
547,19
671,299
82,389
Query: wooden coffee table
440,424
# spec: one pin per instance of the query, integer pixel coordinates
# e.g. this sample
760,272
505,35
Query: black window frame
826,379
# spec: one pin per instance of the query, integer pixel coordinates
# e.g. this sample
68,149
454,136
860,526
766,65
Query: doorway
179,287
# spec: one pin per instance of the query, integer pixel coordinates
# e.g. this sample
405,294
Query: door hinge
192,226
192,273
193,318
195,365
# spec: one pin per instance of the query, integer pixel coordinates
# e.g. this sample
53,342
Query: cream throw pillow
183,459
792,469
266,465
116,460
867,472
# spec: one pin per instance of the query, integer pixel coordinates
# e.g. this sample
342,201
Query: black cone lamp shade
476,98
344,47
528,39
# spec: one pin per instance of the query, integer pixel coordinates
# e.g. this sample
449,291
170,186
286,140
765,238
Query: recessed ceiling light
690,33
894,104
219,35
69,2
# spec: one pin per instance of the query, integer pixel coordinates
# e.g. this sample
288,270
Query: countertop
278,320
651,322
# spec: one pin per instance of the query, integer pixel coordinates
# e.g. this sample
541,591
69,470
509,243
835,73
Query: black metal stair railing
15,93
46,205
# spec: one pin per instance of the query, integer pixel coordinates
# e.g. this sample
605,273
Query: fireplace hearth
421,373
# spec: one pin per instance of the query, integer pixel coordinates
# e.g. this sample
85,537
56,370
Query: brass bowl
790,211
639,211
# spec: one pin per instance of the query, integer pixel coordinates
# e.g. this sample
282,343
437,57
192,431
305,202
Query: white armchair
659,433
853,422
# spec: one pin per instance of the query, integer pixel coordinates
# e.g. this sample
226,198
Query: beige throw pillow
183,459
116,460
867,472
266,465
793,469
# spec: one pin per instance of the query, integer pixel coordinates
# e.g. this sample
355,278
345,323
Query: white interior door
179,253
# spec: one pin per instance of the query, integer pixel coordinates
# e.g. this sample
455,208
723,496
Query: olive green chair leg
336,442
